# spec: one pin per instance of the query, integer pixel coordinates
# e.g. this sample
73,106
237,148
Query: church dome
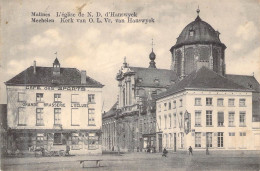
198,31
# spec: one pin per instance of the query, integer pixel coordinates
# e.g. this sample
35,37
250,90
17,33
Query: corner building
52,107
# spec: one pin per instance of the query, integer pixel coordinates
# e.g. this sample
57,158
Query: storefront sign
66,88
45,104
78,105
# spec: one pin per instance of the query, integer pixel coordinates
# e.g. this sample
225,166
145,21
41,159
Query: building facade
133,123
52,107
201,114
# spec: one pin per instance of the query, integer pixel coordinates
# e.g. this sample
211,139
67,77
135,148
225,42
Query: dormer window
140,80
191,33
156,81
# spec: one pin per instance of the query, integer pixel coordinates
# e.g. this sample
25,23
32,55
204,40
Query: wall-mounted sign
44,104
66,88
78,105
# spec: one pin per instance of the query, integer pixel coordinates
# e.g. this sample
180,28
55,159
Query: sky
100,48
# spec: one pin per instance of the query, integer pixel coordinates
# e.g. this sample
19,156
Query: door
160,142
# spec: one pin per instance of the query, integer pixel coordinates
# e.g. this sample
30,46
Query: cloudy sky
101,48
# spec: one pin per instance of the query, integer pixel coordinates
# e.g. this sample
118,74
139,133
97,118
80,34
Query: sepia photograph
126,85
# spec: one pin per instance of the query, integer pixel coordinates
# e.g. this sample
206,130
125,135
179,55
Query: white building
54,107
205,109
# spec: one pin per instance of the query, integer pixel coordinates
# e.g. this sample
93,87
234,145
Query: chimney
83,76
34,67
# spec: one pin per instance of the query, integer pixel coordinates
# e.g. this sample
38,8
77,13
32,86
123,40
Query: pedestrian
190,151
164,152
67,150
207,150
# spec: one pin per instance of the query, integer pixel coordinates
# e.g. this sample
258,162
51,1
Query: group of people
165,152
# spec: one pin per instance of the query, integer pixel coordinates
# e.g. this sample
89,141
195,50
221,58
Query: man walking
190,151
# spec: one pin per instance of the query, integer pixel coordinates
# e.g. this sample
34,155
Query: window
197,101
159,108
57,97
242,102
180,120
170,106
242,119
160,122
39,97
231,119
57,113
220,139
174,120
57,138
75,117
21,97
21,117
165,121
220,102
242,134
208,101
197,118
91,116
231,102
174,104
197,139
91,98
39,117
220,118
180,102
191,33
165,106
209,139
74,98
170,120
231,134
208,118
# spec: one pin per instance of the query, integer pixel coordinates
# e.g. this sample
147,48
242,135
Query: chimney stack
83,76
34,67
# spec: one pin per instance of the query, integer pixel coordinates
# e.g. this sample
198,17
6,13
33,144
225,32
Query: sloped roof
111,112
204,78
149,77
44,76
245,80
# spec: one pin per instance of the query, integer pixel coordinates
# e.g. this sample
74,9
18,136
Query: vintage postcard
130,85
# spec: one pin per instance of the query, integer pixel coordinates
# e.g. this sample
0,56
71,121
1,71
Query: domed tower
152,57
198,45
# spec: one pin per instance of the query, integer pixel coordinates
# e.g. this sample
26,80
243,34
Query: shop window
21,97
209,139
57,97
39,97
91,98
21,116
57,138
92,141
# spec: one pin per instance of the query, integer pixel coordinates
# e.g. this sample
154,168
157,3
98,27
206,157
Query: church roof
203,79
44,76
56,62
202,33
153,77
111,112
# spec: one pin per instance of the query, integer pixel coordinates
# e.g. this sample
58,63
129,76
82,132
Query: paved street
140,161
